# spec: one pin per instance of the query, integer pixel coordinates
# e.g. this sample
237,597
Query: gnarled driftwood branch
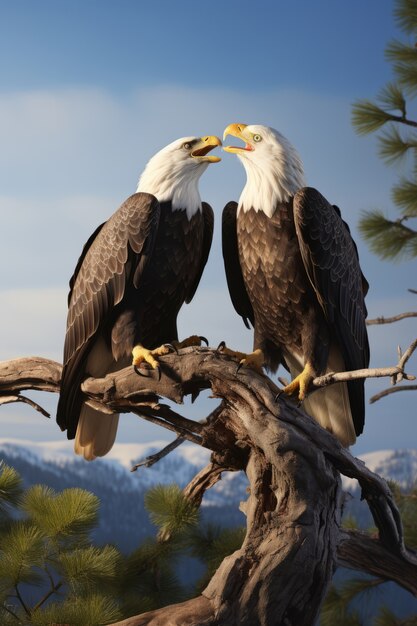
294,539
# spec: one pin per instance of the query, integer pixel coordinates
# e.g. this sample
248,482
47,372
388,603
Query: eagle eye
186,146
257,138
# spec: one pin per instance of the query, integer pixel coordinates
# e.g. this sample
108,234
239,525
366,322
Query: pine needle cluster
51,573
151,580
388,115
48,571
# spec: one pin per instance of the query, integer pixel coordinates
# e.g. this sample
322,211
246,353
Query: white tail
329,406
96,433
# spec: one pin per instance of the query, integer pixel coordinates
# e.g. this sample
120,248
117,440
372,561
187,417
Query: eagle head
172,174
273,168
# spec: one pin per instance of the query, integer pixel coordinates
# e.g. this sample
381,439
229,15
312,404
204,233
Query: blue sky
233,44
90,89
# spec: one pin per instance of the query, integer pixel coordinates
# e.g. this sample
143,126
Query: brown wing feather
331,261
100,281
208,225
234,276
110,259
85,249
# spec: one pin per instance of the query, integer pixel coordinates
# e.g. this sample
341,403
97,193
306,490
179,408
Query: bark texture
293,541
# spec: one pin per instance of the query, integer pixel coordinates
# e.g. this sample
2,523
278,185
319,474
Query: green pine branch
86,568
393,148
71,513
399,52
170,510
334,611
367,117
391,98
95,609
10,489
407,77
386,238
405,13
405,196
152,589
357,588
21,551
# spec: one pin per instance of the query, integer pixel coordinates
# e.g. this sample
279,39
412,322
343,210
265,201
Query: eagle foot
143,356
299,386
255,360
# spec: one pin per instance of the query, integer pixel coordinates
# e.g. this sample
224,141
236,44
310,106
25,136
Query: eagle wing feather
100,278
116,253
208,226
234,276
331,261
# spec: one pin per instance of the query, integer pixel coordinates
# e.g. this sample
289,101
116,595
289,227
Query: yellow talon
255,360
300,383
143,355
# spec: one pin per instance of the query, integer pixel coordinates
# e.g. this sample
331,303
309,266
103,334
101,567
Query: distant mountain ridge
397,465
123,519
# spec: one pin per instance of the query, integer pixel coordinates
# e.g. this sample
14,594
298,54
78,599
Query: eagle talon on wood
143,355
254,360
293,271
300,385
134,274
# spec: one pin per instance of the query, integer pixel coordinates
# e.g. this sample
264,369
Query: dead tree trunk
293,541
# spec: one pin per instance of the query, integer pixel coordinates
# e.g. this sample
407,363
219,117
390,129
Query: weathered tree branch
387,392
154,458
293,539
390,320
357,550
396,373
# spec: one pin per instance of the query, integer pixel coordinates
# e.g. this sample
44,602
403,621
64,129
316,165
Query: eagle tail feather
330,406
96,433
331,409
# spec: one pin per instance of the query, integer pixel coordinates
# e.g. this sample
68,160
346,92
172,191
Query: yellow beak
204,146
236,130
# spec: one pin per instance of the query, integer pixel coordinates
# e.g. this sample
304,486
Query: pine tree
395,238
49,572
151,581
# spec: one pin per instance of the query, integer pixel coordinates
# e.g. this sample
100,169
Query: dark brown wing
114,255
234,276
365,284
331,261
208,225
85,249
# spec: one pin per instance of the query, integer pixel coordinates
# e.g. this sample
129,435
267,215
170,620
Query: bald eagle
134,274
293,271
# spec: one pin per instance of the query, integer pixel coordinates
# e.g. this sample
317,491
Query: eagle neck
178,188
270,182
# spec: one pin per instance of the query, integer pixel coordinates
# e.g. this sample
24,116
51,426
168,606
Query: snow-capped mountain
397,465
123,519
180,466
